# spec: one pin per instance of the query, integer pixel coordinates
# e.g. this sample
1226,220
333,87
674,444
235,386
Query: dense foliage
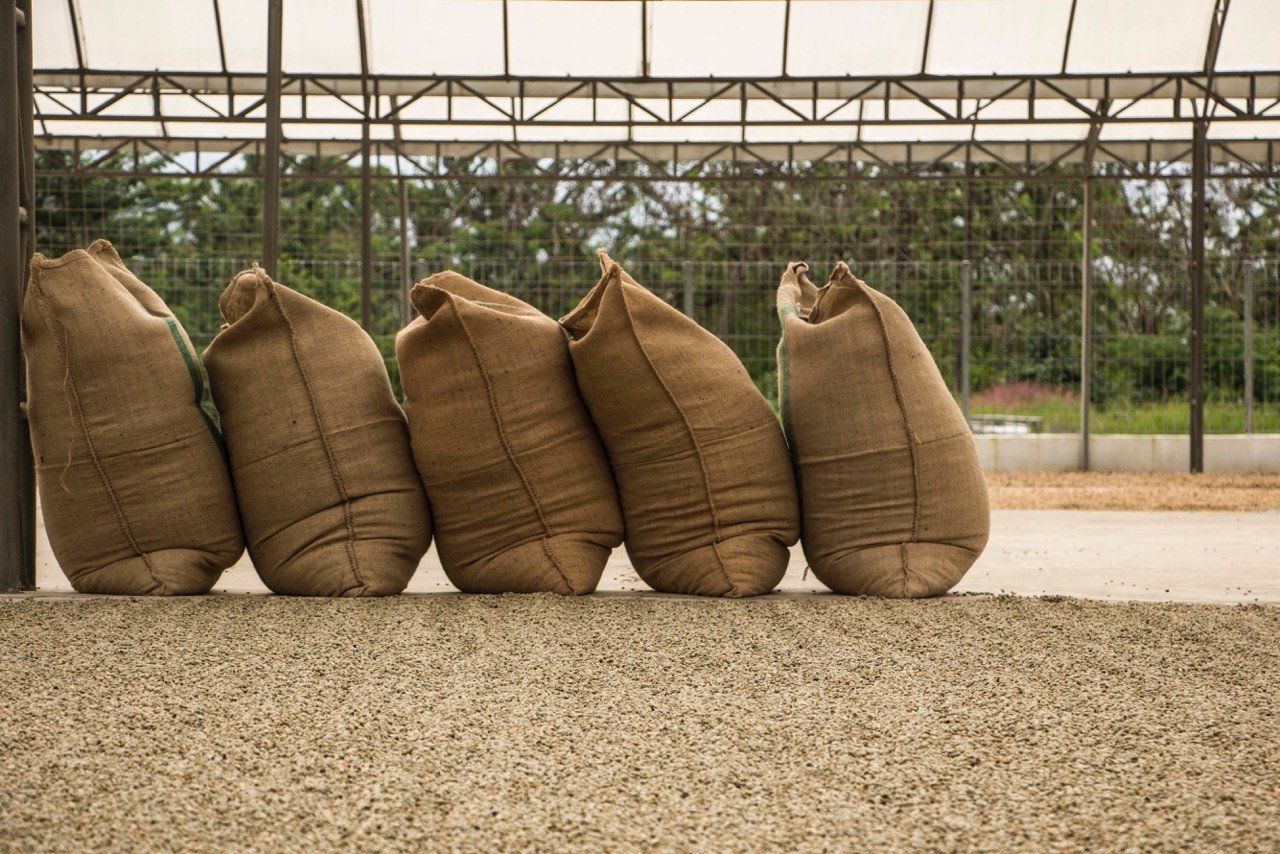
726,239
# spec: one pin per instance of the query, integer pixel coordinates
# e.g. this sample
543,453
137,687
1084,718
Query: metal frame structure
851,131
917,126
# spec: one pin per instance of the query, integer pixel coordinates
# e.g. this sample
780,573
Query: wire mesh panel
1026,343
716,247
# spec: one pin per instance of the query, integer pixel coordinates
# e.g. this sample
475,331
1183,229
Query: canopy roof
891,80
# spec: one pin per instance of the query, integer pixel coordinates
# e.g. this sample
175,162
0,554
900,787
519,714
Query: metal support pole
366,233
1198,289
406,263
1248,347
17,217
962,350
1086,313
271,164
26,134
689,287
966,333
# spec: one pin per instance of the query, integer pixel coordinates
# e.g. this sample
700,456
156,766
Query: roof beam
1220,9
1066,42
786,35
928,36
506,38
77,36
222,55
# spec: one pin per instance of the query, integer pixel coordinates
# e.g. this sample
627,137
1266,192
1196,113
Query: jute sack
707,492
331,503
893,497
133,485
521,493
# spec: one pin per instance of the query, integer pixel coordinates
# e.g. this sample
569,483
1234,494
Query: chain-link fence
717,249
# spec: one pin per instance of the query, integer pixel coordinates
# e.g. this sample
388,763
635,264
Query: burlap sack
133,485
707,491
521,493
893,497
331,503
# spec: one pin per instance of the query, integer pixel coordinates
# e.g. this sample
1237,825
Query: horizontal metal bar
658,122
654,177
1140,158
1118,86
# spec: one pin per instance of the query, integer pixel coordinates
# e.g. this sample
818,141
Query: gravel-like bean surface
801,722
1074,490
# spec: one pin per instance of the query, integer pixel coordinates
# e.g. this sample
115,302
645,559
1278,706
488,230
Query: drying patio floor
635,721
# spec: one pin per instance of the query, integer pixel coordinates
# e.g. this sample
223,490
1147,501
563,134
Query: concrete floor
1122,555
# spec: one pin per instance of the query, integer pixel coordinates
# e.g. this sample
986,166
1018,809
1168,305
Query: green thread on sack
784,387
196,370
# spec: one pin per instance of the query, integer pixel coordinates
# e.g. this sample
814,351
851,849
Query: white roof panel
1139,35
244,32
149,34
710,38
589,38
833,38
1266,130
74,127
51,35
998,36
435,37
1251,36
320,36
1145,131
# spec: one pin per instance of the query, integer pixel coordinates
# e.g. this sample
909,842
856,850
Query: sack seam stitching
344,498
906,425
615,271
530,493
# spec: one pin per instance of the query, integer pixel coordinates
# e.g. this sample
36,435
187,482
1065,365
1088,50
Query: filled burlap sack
521,494
892,494
133,485
707,492
319,450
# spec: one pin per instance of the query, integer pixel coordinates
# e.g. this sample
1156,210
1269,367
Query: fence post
966,333
688,288
1248,347
274,135
1199,166
1086,315
366,230
402,200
